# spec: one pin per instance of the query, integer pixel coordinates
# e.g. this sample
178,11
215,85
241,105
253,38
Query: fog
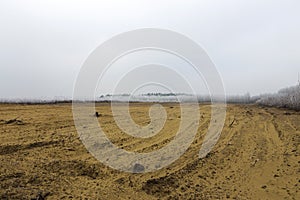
254,44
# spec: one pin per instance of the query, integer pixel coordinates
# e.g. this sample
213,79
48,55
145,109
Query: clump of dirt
138,168
41,195
161,187
15,121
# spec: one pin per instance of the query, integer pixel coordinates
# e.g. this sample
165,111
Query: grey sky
254,44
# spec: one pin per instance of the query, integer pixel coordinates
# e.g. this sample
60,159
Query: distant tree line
285,98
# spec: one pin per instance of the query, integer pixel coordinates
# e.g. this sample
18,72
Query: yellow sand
257,156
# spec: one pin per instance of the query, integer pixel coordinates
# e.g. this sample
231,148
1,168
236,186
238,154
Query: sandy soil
257,156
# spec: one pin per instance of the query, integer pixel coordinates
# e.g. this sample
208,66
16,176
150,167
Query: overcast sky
254,44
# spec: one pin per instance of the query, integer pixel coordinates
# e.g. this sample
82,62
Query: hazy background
254,44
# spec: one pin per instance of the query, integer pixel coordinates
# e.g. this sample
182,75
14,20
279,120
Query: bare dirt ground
257,156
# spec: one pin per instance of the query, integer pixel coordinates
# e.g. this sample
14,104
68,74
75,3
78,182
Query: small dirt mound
161,187
138,168
12,121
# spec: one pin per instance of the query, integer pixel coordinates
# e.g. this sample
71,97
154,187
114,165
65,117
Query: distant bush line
285,98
